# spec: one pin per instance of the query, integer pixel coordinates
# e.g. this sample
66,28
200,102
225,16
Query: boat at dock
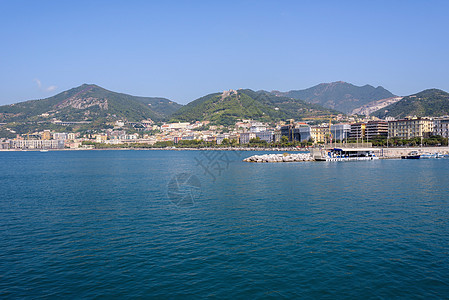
411,155
346,154
428,155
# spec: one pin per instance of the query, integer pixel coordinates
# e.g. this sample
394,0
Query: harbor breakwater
285,157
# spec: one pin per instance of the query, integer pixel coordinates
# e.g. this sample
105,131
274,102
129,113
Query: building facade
267,136
411,128
441,127
319,134
358,130
245,137
375,129
340,131
36,144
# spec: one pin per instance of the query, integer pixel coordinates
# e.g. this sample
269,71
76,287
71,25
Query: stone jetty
285,157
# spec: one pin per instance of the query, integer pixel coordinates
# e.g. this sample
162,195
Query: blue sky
183,50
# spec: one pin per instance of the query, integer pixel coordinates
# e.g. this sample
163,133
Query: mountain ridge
339,95
228,107
427,103
89,102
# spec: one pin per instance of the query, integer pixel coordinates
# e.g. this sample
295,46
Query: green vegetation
381,141
89,103
226,109
428,103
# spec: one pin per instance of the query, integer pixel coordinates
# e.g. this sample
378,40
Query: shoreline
383,153
168,149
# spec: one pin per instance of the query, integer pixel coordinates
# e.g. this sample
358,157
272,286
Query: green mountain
89,102
228,107
341,96
428,103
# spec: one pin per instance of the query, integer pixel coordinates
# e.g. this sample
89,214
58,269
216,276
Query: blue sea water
190,224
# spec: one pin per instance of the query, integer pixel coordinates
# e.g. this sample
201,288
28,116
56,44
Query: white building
245,137
441,126
36,144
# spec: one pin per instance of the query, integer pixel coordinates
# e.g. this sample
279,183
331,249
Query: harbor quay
346,154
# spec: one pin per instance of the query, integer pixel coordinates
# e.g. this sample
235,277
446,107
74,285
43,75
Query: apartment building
245,137
409,128
441,126
37,144
375,129
319,133
358,130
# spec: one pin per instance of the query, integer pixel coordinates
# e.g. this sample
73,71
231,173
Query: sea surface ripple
101,224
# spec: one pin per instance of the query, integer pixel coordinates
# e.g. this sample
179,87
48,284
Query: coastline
382,153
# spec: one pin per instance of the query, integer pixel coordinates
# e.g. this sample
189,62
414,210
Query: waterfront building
265,136
358,130
277,136
319,133
375,129
36,144
4,145
287,130
299,132
340,131
441,126
220,139
245,137
409,128
302,133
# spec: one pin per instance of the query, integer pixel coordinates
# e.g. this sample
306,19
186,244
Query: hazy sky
183,50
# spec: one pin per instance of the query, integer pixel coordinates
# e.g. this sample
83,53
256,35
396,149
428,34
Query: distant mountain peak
339,95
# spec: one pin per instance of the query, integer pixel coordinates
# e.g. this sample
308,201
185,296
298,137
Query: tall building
287,131
441,126
375,129
340,131
319,133
410,128
296,133
358,130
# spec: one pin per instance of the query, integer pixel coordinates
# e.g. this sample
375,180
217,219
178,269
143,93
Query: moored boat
411,155
348,154
428,155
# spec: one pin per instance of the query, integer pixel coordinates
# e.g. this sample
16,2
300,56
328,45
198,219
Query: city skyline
184,50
